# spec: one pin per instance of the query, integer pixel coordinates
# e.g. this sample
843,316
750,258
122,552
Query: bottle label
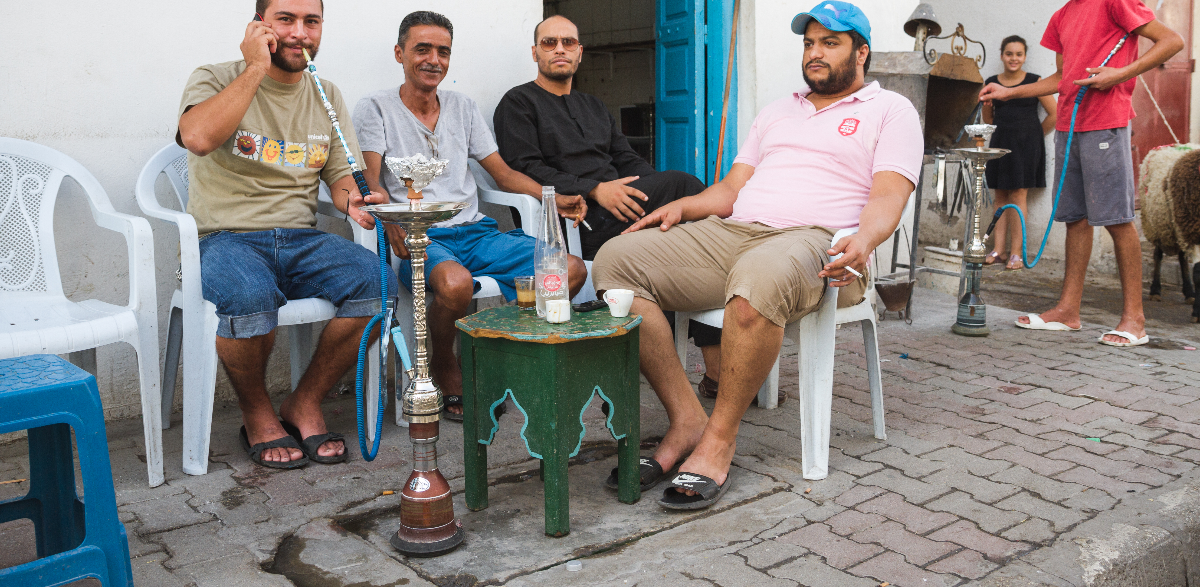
551,283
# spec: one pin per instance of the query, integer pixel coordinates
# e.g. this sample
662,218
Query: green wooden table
552,372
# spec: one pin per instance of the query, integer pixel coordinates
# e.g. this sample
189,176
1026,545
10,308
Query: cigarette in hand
579,217
851,270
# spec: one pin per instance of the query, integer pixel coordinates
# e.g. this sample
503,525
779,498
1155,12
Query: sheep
1170,195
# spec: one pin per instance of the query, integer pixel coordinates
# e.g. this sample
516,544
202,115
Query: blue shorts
250,275
483,250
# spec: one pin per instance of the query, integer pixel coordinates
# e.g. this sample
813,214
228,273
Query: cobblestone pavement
1023,458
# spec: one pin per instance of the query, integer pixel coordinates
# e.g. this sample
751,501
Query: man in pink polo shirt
839,154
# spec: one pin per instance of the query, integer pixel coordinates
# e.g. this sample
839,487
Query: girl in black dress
1019,130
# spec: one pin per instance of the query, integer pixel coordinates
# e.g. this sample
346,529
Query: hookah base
428,542
970,330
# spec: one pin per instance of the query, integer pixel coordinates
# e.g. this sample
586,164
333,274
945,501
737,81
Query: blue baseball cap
835,16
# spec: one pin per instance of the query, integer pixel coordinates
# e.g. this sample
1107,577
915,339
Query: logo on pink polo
848,127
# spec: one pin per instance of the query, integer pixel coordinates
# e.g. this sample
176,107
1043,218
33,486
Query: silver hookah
428,526
972,311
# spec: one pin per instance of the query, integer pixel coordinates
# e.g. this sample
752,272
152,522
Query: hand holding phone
260,42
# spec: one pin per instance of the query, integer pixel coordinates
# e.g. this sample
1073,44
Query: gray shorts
1099,182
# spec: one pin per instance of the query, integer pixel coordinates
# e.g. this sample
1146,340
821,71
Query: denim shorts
250,275
483,250
1099,181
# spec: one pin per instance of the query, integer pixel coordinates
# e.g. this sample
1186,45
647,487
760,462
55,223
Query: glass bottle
550,255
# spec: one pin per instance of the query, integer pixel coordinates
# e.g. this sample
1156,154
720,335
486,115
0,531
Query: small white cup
558,311
619,301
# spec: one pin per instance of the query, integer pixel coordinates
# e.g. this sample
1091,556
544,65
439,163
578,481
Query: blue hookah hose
384,316
1061,179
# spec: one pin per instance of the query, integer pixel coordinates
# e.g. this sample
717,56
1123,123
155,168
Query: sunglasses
551,43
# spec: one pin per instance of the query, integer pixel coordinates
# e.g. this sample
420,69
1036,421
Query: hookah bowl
972,311
427,523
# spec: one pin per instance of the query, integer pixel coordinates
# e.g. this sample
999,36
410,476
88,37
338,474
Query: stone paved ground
1023,458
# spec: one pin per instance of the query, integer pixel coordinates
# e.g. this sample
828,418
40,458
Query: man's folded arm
516,133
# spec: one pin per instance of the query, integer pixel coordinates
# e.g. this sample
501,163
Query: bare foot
681,439
310,421
1135,326
266,429
712,458
1071,319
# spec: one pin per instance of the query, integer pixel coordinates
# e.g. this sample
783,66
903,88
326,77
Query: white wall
101,82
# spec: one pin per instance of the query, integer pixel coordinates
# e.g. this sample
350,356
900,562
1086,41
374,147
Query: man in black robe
569,140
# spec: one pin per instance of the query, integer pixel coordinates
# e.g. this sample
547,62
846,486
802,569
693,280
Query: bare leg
1079,252
337,351
1000,234
749,345
576,274
1129,264
712,361
1018,198
245,361
452,287
661,367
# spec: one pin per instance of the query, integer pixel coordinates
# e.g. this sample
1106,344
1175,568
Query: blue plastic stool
48,397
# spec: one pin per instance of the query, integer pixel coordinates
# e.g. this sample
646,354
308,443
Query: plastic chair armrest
527,206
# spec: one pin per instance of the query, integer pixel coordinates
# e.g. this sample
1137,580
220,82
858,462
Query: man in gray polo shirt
417,118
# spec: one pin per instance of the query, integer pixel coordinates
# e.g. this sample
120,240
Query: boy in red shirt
1098,190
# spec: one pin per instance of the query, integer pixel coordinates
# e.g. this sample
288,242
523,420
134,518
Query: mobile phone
257,17
589,306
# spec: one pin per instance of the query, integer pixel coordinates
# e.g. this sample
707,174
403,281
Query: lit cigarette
851,270
583,222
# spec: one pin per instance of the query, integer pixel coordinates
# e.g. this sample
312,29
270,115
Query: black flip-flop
311,444
649,470
256,451
707,491
456,400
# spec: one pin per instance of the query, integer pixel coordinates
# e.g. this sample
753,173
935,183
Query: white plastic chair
197,317
816,334
529,210
35,314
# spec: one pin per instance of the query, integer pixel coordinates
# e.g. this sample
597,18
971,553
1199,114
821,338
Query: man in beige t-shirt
260,143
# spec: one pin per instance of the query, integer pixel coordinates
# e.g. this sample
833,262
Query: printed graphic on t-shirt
318,153
848,127
248,145
272,151
276,152
294,153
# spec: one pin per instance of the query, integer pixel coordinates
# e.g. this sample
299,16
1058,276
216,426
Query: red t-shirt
1085,31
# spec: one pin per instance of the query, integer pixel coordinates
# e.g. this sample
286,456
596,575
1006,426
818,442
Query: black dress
1018,130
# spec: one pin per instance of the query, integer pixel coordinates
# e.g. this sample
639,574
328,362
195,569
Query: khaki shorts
702,265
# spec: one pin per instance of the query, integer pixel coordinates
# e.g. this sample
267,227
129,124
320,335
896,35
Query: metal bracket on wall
958,46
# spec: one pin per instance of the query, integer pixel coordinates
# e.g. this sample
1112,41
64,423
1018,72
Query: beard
558,75
839,80
284,61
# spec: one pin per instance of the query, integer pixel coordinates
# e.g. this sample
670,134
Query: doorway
660,67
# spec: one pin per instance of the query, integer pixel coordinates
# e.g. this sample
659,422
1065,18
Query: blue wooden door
680,96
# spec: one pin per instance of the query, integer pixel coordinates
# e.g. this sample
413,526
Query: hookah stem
1061,178
381,317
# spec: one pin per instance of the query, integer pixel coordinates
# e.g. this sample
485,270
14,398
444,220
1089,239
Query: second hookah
972,312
